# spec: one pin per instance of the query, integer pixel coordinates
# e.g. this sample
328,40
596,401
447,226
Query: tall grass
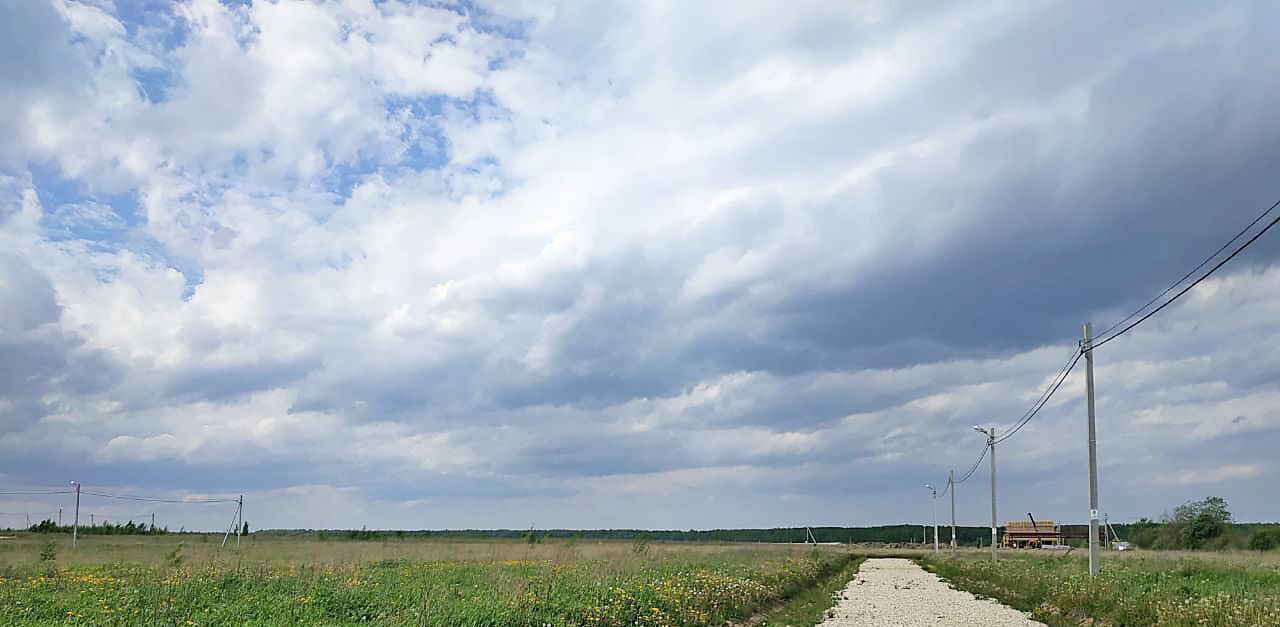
693,589
1157,590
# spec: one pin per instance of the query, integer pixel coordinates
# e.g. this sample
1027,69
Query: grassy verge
1152,590
809,606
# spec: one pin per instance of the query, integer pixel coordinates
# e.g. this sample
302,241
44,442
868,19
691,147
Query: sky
628,264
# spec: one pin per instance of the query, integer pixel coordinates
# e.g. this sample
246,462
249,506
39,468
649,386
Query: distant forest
1144,533
887,534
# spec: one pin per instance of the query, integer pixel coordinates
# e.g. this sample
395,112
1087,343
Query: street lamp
991,446
934,491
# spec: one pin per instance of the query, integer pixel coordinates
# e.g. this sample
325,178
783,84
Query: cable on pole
153,499
1204,276
968,473
1044,398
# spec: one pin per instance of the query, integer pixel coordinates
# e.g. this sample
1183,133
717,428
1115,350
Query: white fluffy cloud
467,267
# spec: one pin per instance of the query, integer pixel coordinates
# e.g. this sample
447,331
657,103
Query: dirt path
898,593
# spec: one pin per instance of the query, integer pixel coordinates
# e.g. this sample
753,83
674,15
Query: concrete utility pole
75,530
59,516
934,491
991,451
951,481
237,521
1087,346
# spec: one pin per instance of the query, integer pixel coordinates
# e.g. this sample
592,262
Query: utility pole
1087,347
59,516
1106,538
934,500
91,521
991,451
153,522
75,530
236,520
991,443
951,481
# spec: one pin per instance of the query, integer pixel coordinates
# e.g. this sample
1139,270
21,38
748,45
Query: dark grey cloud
37,357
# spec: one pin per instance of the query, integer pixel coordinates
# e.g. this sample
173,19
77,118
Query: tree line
105,528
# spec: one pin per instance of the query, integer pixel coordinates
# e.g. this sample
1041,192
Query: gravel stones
898,593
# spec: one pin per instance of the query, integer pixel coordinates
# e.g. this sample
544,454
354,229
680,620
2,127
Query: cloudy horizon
631,265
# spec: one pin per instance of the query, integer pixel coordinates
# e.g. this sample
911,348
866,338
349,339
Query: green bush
1265,539
49,552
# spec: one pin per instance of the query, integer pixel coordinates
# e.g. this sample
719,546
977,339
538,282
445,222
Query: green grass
508,585
1150,589
810,606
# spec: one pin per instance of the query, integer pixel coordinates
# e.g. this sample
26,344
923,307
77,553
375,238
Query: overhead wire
148,499
1026,416
1110,333
973,468
153,499
1188,288
1044,398
1193,270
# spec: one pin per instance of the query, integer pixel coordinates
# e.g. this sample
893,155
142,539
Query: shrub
49,551
174,558
1265,539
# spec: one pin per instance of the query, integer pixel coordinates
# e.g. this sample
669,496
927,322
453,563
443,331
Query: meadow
177,581
1145,588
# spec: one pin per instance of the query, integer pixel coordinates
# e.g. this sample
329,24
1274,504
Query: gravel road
898,593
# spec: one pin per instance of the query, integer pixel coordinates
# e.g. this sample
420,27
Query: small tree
245,531
1194,523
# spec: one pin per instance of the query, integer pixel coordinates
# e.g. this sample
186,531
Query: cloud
1212,475
738,265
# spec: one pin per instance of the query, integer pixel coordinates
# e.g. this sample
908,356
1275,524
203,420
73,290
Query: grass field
1144,588
151,581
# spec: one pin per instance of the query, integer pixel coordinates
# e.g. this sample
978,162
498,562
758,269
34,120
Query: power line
126,497
1044,398
951,481
973,468
1026,416
1193,270
1186,289
153,499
